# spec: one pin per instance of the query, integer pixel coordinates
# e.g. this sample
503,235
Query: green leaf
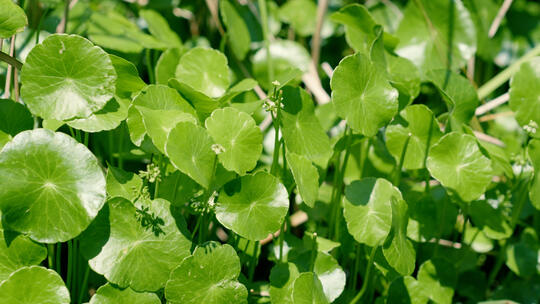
306,177
108,294
458,93
239,138
417,125
405,77
362,95
204,70
301,129
523,257
237,29
301,15
128,81
458,163
438,279
253,206
406,290
14,117
491,221
358,26
533,149
34,285
166,65
108,118
114,31
208,276
159,28
51,187
178,188
282,277
525,95
307,289
156,97
19,252
286,56
130,255
436,34
202,103
189,148
398,250
12,19
122,184
368,209
66,77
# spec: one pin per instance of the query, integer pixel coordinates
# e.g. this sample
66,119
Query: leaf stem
264,25
70,264
356,265
50,255
84,284
336,202
151,76
10,60
487,88
313,252
399,166
366,276
254,260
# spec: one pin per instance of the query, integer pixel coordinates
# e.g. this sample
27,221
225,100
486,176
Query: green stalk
253,263
149,66
281,238
58,257
487,88
84,284
70,264
399,166
313,252
264,25
277,142
50,256
10,60
360,294
356,265
337,199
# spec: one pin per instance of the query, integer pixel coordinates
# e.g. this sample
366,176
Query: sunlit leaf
34,285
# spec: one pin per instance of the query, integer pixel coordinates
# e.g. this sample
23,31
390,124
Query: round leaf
307,289
14,117
362,95
406,290
438,279
12,19
525,94
108,294
398,250
132,255
51,187
306,177
368,209
34,285
427,39
253,206
65,77
239,136
208,276
18,252
189,148
417,123
458,163
204,70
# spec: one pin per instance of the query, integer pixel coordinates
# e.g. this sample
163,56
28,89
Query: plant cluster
291,151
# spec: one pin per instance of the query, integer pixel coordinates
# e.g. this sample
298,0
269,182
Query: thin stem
313,252
337,200
277,142
366,276
281,238
322,6
70,264
50,256
10,60
495,82
500,15
149,67
84,284
58,257
62,26
264,24
7,87
399,166
254,260
356,266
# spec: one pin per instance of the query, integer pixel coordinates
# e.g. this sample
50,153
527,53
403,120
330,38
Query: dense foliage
296,151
